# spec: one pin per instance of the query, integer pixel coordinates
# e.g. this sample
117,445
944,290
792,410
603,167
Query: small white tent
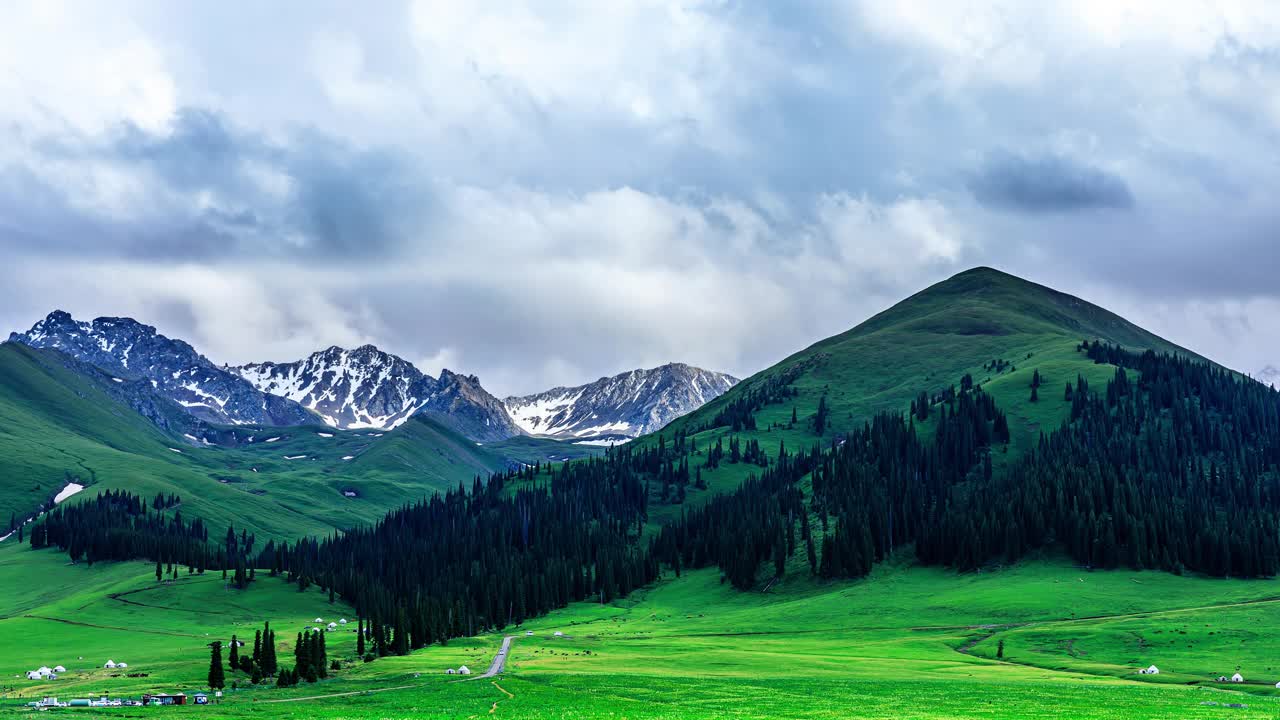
44,670
110,664
1237,678
122,665
333,626
1153,670
33,675
557,634
343,621
464,670
59,668
319,619
449,671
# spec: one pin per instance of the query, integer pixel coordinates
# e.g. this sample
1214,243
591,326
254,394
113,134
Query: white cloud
83,65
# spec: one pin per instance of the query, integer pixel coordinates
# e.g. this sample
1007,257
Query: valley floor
908,642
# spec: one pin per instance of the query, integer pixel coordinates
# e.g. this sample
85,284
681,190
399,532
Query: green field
906,642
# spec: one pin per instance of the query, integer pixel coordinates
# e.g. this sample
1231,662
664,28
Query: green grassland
906,642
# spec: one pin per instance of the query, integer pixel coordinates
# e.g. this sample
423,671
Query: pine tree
1000,648
233,658
1035,396
269,649
217,679
360,637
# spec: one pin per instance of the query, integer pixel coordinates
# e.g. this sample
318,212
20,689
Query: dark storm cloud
1047,184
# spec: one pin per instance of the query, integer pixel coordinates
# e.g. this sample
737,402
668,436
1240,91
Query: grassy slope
907,642
56,425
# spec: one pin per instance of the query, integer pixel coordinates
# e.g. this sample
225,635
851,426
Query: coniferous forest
1173,466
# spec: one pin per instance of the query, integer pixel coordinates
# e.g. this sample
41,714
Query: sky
543,193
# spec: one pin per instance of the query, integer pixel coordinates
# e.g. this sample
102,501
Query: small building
59,668
165,699
33,675
1237,678
464,670
319,620
450,671
1152,670
1222,678
343,621
333,626
200,698
110,665
557,634
44,670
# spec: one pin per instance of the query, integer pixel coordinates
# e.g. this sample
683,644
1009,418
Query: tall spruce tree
217,677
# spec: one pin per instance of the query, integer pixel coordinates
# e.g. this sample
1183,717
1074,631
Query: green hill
928,341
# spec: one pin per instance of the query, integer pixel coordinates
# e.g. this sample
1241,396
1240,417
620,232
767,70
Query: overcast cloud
544,193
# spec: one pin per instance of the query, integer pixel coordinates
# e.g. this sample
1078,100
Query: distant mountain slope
369,388
626,405
62,421
133,351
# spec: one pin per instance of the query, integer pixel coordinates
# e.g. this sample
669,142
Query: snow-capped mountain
622,406
132,351
369,388
361,388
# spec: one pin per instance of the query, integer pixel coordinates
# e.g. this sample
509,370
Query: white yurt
343,621
319,620
110,665
1153,670
59,668
122,665
33,675
464,670
1237,678
450,671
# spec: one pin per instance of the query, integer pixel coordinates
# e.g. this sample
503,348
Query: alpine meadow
641,360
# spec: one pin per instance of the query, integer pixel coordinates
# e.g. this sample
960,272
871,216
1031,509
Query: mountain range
367,388
620,407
